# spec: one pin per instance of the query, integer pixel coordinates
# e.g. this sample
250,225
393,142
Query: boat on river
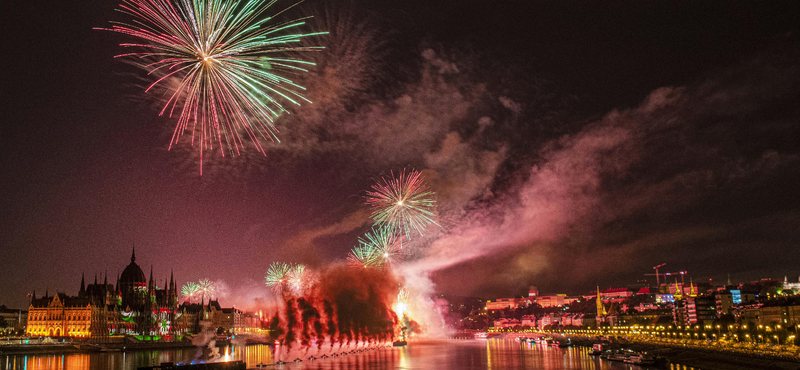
640,358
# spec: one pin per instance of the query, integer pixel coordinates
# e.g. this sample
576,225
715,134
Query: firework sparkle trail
380,248
361,256
297,278
206,289
230,62
402,203
189,292
277,275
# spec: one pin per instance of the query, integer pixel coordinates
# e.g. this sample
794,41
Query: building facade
700,309
132,307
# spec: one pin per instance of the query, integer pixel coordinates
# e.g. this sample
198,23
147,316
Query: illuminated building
507,323
793,287
191,317
601,310
14,319
99,311
700,309
725,302
680,316
529,320
503,303
60,316
552,300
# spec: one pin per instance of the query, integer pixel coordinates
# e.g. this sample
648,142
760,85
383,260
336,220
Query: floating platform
230,365
399,343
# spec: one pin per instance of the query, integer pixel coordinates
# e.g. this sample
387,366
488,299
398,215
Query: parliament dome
133,273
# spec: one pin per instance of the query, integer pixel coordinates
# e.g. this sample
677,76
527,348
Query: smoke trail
291,322
310,317
356,305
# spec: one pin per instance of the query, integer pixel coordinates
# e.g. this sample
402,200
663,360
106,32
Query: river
426,355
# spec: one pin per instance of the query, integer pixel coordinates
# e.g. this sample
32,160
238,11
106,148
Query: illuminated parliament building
134,307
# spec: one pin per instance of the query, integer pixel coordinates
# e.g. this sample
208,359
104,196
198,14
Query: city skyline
561,156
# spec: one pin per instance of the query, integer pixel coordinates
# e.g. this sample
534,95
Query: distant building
551,300
503,303
724,302
507,323
794,287
613,295
700,309
529,320
759,315
14,319
549,319
680,315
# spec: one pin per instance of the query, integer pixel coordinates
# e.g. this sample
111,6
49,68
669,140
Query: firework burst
361,256
297,278
277,275
402,203
230,63
189,292
385,244
206,289
380,248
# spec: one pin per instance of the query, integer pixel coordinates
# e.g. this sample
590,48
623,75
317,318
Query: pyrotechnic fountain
359,305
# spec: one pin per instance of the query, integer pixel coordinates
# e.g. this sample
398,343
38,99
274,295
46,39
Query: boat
617,356
639,358
399,343
597,350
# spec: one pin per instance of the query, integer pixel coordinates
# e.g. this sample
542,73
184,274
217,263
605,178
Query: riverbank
699,358
68,348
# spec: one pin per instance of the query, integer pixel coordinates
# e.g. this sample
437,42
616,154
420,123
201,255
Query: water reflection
438,355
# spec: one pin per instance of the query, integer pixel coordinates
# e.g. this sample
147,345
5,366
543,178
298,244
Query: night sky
570,145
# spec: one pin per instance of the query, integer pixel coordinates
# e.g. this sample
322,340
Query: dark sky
569,144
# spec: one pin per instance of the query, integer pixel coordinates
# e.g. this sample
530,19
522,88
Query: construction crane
681,273
658,280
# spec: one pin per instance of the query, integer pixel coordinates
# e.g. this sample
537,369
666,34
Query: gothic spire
133,253
82,292
117,288
151,286
105,281
95,278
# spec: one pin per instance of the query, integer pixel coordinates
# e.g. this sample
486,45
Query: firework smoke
343,306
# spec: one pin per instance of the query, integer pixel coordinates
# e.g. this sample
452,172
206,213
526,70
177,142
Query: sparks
229,62
379,248
403,203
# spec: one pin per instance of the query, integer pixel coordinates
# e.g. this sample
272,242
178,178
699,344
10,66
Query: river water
427,355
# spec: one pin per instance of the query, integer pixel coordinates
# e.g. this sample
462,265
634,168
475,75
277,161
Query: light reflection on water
436,355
